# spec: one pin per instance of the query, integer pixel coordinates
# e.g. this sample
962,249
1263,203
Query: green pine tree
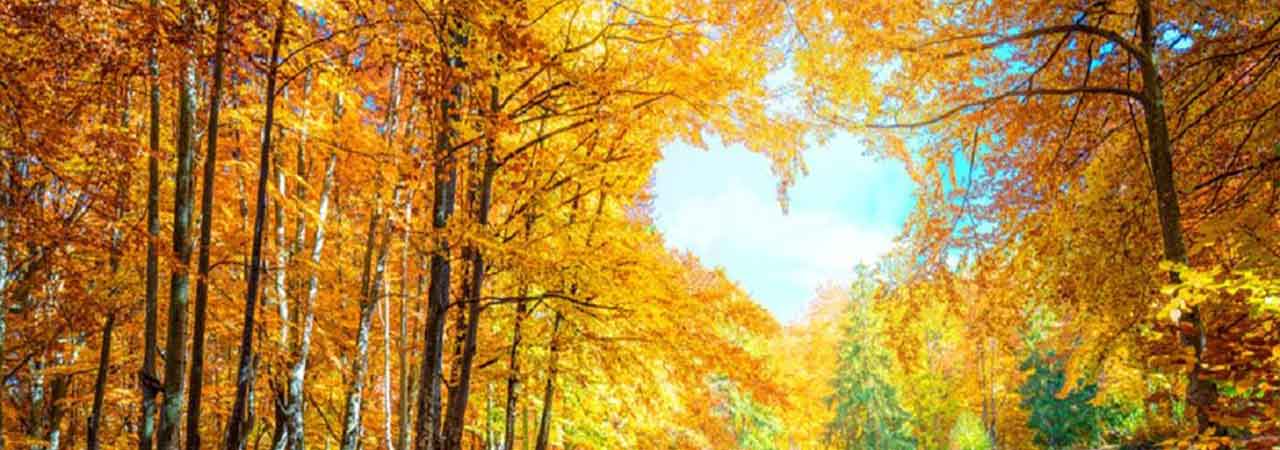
868,415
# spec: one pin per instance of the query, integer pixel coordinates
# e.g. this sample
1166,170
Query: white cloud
722,207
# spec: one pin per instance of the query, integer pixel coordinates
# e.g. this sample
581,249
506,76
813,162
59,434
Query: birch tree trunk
295,432
402,437
371,287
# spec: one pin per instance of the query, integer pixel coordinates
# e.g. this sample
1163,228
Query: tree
206,225
179,282
867,413
1059,421
236,432
1121,93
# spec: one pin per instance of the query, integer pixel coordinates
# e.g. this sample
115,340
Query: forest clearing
447,224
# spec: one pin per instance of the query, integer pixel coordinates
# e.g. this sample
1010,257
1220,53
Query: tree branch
1036,92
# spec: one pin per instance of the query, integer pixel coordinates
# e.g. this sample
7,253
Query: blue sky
721,204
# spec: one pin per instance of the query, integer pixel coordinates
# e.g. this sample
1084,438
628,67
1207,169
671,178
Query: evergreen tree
867,412
1058,422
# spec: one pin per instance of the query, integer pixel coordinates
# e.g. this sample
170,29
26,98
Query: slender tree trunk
237,425
148,384
57,393
280,293
513,379
206,225
180,280
93,427
524,413
351,417
488,417
297,373
459,396
1201,393
445,174
35,413
402,438
390,131
371,287
388,413
4,290
100,384
284,427
549,392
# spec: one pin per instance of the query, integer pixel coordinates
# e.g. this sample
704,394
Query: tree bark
1201,393
402,438
280,292
100,384
206,225
371,285
180,280
57,393
390,130
388,413
297,373
236,424
548,393
445,175
147,382
459,396
283,404
513,379
93,427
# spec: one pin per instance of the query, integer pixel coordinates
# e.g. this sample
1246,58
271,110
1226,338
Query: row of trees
1109,164
403,207
406,206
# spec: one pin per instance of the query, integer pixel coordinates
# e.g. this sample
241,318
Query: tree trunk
100,384
147,382
236,424
57,393
488,417
371,285
458,397
549,393
445,174
206,224
513,365
297,373
390,131
280,439
388,413
280,294
1201,393
402,438
180,280
351,417
524,426
93,427
513,379
4,292
36,418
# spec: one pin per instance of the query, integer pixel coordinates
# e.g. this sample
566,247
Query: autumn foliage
427,225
